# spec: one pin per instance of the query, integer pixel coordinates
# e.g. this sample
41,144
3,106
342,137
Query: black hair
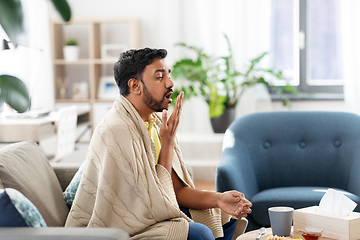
132,63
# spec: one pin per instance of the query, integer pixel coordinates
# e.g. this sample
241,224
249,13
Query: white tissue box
337,227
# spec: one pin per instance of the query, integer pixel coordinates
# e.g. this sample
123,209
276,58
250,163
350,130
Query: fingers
178,105
235,203
238,194
169,125
244,207
248,203
174,119
164,117
242,212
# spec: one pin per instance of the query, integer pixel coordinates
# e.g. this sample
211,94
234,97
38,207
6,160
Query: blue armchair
290,158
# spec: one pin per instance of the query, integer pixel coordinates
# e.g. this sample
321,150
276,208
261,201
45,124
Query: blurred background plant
71,42
13,91
218,81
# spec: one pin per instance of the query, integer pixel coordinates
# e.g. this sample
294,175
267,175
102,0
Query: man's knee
198,231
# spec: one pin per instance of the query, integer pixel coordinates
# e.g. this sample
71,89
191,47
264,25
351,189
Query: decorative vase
220,124
71,53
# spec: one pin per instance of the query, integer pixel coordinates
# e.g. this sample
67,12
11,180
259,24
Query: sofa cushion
10,216
17,211
24,167
296,197
70,191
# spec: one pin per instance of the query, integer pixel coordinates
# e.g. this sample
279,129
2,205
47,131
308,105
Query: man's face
157,85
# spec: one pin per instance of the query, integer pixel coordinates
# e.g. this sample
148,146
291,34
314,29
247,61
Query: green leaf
11,19
290,89
217,103
254,62
14,92
63,8
190,70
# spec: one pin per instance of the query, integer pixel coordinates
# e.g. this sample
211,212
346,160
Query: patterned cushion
17,211
70,191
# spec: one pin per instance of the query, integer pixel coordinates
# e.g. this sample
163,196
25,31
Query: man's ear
134,85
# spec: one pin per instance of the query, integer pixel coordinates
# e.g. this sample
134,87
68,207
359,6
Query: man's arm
231,202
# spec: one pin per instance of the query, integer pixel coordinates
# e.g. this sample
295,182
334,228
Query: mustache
169,91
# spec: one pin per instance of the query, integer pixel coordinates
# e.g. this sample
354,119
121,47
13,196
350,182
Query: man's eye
159,77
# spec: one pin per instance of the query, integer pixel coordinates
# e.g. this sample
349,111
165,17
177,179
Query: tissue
336,203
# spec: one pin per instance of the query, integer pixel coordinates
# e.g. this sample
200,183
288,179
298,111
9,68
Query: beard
152,103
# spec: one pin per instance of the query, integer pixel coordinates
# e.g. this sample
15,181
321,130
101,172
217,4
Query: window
305,44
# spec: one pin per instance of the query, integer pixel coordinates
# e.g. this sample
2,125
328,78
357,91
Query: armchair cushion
17,211
25,168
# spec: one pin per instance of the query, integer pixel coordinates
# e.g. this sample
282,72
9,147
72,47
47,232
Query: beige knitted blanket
123,187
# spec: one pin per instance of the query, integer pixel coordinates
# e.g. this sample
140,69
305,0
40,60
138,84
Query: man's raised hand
167,133
169,126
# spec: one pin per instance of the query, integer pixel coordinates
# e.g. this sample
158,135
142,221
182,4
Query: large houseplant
12,90
218,81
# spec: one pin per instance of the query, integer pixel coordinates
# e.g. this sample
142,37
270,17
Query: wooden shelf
85,73
72,101
64,62
103,101
105,61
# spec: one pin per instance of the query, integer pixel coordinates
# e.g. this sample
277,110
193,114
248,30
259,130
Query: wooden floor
205,185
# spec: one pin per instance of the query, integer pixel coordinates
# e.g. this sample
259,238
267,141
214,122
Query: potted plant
71,50
220,84
12,90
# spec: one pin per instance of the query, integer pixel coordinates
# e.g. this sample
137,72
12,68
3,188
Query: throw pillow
70,191
24,167
17,211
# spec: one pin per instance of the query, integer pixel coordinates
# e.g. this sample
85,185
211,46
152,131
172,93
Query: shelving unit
85,74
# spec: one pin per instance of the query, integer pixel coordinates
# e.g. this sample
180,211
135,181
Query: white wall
156,30
162,27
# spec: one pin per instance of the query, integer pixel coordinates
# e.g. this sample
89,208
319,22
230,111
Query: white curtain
350,38
32,62
247,24
37,63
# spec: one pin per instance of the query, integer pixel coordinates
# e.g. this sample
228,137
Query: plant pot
220,124
71,53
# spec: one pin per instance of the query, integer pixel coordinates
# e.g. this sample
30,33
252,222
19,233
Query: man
134,177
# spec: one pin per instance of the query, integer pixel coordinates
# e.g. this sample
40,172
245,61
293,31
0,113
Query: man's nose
169,83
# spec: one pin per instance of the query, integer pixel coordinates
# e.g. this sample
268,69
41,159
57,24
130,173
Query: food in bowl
275,238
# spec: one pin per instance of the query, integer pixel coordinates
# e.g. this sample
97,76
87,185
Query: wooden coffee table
253,234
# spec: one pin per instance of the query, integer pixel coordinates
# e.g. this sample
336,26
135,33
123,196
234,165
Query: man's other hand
235,204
